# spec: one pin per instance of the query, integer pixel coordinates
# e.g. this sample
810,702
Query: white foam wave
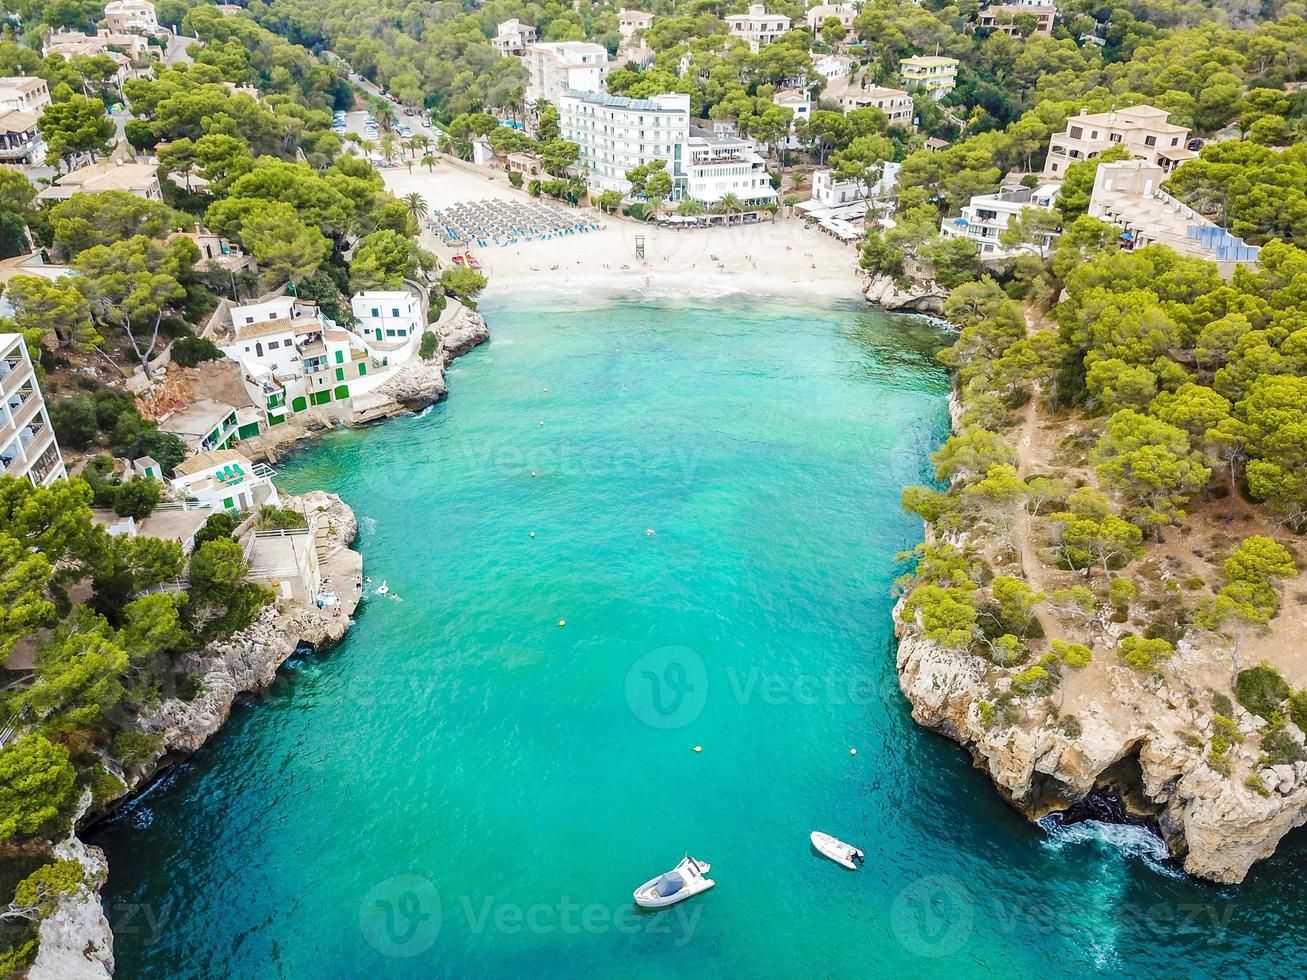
1128,840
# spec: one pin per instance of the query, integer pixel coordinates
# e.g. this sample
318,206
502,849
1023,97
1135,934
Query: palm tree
689,208
387,146
729,205
428,161
417,207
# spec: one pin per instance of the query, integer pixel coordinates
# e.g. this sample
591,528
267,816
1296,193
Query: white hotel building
617,134
721,165
558,67
27,443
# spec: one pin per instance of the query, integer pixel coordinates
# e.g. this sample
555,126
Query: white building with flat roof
799,102
617,134
225,479
20,140
131,16
757,26
23,94
935,75
720,165
558,67
28,447
1141,129
987,216
513,37
1129,194
390,322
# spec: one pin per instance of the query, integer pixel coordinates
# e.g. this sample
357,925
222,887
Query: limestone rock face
461,334
884,292
1220,824
75,940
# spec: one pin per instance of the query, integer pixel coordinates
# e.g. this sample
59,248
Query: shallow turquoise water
464,789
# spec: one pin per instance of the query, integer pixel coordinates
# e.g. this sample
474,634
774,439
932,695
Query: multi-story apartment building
987,217
850,94
27,444
935,75
558,67
513,37
616,134
21,94
1141,129
719,165
131,16
1002,17
757,26
1129,194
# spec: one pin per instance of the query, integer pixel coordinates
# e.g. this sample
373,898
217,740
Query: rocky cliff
1139,737
885,292
75,940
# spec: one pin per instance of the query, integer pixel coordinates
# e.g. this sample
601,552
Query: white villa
850,94
847,200
390,322
207,424
799,102
987,217
138,179
757,26
131,16
1141,129
556,68
20,141
832,66
224,479
22,94
28,447
513,37
617,134
294,358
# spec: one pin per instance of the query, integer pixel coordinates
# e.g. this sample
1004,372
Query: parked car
1195,144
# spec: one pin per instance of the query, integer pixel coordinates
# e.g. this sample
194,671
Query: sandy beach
765,257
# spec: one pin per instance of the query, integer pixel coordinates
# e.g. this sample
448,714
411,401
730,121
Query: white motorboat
683,881
838,851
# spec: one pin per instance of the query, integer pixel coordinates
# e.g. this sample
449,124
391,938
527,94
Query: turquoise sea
465,788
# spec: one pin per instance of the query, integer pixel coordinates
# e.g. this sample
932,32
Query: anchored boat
683,881
838,851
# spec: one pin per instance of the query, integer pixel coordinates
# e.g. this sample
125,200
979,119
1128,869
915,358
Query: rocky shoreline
1134,741
76,942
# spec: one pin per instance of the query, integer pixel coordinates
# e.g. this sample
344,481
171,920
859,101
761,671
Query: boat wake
1132,841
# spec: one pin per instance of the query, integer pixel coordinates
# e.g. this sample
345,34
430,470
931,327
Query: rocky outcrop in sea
917,297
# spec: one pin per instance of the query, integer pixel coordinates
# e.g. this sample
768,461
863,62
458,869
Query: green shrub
1261,690
429,344
1144,653
1033,680
1070,726
137,498
279,519
515,178
1298,709
190,350
1278,746
218,527
132,748
1221,705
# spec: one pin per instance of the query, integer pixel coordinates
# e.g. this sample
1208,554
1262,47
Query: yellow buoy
698,748
562,622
